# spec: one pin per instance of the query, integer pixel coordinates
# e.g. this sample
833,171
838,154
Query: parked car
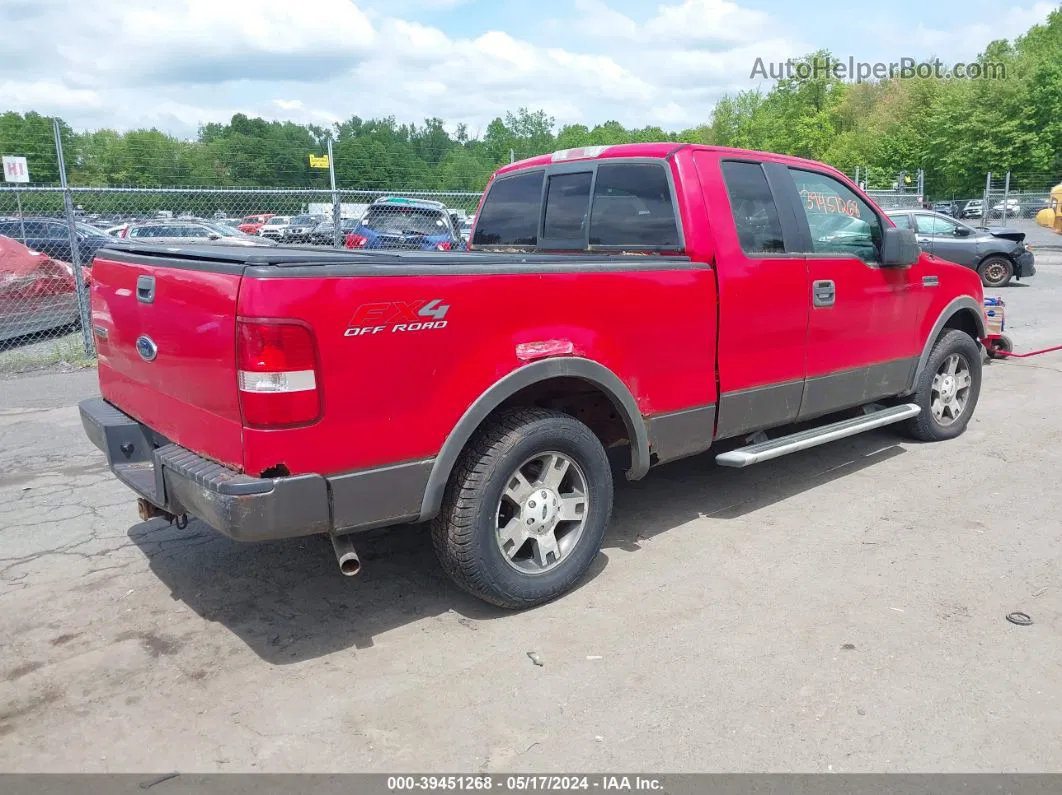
974,208
52,237
37,292
275,227
571,357
301,227
252,223
998,255
410,224
948,208
1013,207
192,232
322,233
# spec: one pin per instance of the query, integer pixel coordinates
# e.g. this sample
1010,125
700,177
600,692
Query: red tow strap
1011,355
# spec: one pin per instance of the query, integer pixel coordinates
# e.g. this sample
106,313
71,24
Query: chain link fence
43,242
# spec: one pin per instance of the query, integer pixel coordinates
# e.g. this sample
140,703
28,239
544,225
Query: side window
752,205
55,232
933,225
840,221
567,202
902,221
509,216
632,207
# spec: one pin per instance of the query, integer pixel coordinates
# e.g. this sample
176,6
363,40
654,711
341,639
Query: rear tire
948,388
996,271
495,535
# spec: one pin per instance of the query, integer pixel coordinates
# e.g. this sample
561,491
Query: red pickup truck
621,307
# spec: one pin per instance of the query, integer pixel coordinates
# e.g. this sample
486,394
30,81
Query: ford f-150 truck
621,307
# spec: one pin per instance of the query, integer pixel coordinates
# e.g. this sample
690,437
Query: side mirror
899,249
962,231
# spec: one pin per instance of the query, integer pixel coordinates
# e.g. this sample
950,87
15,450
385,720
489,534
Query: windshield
405,221
276,220
304,220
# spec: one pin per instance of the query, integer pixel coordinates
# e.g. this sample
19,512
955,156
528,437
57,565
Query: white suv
275,227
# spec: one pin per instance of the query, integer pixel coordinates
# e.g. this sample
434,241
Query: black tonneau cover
295,261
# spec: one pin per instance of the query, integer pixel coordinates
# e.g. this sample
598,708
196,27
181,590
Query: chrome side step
776,448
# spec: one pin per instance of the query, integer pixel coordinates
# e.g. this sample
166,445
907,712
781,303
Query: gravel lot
841,609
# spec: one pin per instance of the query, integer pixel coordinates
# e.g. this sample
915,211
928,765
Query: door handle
145,289
823,293
922,239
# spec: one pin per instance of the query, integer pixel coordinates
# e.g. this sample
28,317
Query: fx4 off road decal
397,317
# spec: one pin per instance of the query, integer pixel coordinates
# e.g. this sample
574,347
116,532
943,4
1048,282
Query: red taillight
356,241
277,373
446,245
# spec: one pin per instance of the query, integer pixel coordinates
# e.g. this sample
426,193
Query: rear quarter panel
395,396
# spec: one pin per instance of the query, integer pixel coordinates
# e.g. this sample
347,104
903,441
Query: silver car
193,232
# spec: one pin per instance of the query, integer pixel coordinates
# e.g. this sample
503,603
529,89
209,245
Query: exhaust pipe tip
346,555
349,565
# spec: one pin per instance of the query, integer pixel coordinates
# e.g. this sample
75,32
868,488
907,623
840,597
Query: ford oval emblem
147,348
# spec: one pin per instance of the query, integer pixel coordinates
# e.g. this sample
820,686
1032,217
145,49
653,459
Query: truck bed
403,343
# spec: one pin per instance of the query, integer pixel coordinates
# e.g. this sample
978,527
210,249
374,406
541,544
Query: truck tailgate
165,331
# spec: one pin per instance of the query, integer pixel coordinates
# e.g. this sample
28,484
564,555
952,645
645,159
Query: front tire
525,509
948,388
996,271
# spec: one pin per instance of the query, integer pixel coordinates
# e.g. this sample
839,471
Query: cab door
862,340
763,303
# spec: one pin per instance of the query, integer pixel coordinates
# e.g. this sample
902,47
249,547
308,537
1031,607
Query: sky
176,64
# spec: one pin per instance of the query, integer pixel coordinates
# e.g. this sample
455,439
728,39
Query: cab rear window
509,216
607,205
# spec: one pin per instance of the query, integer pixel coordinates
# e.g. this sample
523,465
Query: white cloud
894,39
179,63
46,94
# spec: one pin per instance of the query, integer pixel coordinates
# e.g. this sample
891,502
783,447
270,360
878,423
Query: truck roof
661,150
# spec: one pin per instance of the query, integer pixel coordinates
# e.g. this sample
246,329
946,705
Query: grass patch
67,352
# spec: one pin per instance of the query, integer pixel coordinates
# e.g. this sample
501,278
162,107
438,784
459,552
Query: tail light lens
356,241
446,245
277,373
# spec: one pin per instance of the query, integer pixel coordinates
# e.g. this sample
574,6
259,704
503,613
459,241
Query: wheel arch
594,374
963,314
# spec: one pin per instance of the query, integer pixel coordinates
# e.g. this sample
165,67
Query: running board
776,448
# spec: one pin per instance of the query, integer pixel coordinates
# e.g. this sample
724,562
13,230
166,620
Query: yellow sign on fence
318,162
